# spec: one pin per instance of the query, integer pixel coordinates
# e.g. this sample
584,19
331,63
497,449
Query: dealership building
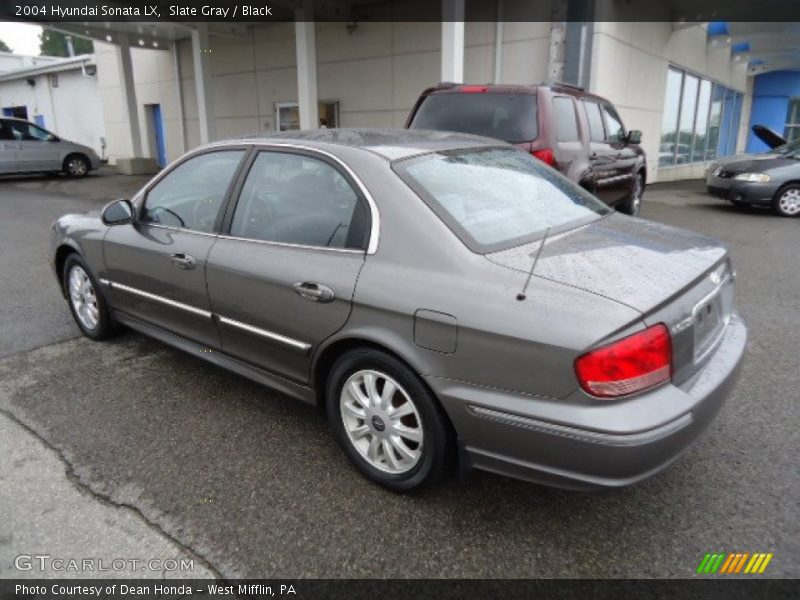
689,86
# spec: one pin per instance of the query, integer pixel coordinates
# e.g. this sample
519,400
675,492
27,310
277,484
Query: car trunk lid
669,275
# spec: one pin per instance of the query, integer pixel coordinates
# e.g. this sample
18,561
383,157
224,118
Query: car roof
391,144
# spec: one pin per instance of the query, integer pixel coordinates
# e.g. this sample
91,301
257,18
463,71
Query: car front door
601,155
37,149
281,280
623,156
156,266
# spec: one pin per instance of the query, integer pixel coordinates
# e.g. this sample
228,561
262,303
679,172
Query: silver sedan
447,299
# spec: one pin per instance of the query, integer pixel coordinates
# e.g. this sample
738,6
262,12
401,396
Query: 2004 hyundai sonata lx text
448,299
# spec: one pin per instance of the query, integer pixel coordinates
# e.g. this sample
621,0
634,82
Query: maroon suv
578,133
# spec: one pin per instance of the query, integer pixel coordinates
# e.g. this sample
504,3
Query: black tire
632,205
76,165
786,202
105,326
437,452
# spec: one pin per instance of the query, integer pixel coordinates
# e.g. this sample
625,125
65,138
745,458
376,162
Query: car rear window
504,116
495,198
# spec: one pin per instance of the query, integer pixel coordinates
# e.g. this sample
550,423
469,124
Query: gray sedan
447,299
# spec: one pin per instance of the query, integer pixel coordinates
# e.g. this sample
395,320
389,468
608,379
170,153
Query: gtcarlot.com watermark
59,564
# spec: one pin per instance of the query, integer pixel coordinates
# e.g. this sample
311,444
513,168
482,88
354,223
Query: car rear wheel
76,165
633,204
389,424
787,201
86,300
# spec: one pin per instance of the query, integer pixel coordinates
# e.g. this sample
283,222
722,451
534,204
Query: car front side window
190,196
298,199
614,127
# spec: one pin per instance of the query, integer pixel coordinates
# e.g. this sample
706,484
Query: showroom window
792,129
701,119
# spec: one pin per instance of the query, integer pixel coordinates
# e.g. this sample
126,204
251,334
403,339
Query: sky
21,37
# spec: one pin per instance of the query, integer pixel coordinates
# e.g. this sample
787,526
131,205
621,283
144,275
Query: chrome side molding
270,335
155,298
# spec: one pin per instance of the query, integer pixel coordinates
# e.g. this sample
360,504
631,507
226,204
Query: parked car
770,178
444,297
28,148
578,133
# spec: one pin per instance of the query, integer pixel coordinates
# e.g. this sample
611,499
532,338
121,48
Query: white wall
156,83
629,67
72,110
375,72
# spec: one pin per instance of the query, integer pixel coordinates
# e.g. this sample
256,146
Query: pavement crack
85,487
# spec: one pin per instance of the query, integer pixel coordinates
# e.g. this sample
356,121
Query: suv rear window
504,116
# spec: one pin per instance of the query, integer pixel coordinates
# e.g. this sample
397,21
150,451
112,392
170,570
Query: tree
54,43
4,47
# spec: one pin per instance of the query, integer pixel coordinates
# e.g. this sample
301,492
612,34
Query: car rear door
8,149
569,146
281,280
37,149
156,266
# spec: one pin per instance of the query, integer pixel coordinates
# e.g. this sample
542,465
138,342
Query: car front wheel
86,300
787,201
389,424
76,165
633,204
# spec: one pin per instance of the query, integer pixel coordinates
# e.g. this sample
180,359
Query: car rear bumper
741,191
506,433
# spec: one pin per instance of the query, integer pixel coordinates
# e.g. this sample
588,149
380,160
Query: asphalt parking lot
253,484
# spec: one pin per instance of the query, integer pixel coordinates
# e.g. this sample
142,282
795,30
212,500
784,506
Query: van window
504,116
566,122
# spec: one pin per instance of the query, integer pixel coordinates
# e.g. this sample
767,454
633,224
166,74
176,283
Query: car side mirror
634,136
117,212
53,138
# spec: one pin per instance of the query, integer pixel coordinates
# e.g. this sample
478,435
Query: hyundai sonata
449,300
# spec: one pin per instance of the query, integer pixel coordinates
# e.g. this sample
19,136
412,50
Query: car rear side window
496,198
511,117
191,195
298,199
595,119
566,121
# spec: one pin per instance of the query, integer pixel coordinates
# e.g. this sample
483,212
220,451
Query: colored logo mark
729,563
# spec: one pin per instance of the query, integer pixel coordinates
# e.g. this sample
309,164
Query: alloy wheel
83,298
789,202
76,167
638,189
381,421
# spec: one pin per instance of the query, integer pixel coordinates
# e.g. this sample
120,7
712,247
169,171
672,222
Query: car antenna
521,296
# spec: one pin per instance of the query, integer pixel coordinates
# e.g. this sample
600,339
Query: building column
201,50
125,66
306,48
453,41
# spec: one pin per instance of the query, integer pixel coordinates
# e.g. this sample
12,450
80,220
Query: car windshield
503,116
496,198
790,149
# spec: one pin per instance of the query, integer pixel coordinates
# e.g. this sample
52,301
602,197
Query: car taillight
545,155
632,364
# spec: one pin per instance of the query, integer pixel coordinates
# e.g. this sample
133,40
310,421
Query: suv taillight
545,155
632,364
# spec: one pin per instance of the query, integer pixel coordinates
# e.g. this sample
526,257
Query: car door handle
315,292
183,261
